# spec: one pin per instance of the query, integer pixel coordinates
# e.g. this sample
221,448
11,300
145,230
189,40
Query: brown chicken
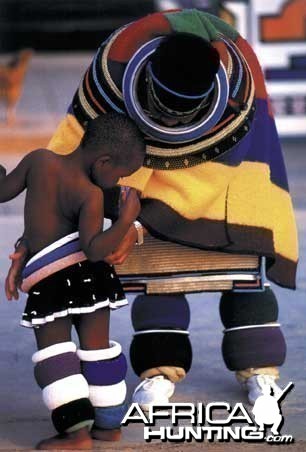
11,82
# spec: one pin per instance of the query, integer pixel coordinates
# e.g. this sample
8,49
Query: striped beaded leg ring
64,389
105,371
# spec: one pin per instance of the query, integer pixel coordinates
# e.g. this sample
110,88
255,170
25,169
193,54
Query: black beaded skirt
78,289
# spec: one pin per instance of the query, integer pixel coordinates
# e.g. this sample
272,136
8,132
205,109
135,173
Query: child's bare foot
80,440
106,435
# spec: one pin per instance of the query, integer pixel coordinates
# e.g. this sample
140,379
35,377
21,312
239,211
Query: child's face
107,174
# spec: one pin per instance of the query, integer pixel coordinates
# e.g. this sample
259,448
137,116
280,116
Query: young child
64,195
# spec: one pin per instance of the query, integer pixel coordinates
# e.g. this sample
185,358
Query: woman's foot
106,435
80,440
153,391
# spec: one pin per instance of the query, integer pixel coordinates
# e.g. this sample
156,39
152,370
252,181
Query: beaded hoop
179,134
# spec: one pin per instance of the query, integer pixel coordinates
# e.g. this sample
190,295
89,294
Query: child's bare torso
52,199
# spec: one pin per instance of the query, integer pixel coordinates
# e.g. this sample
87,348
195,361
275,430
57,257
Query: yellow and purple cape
226,191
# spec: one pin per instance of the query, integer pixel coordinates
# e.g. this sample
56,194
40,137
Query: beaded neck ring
163,109
174,134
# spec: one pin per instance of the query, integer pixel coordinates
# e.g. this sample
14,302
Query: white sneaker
255,384
156,390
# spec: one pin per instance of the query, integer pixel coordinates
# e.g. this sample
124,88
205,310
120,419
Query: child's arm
15,182
95,242
120,254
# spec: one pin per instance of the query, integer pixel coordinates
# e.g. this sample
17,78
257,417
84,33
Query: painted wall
277,31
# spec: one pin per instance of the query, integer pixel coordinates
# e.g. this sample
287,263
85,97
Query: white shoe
255,384
153,391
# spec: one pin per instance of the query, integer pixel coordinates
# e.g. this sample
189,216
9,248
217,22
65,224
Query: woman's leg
161,352
253,342
104,366
65,391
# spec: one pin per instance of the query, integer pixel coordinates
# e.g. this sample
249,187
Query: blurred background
63,36
45,47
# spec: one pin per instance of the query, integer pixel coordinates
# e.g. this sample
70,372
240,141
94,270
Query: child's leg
93,329
53,333
104,367
64,389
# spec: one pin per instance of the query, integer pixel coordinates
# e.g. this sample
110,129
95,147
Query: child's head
115,148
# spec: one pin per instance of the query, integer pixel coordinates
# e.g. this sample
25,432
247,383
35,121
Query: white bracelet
139,230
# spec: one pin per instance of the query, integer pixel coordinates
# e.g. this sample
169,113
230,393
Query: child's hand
130,207
2,171
13,279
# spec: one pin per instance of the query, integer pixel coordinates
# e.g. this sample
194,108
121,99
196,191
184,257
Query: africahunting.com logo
204,424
